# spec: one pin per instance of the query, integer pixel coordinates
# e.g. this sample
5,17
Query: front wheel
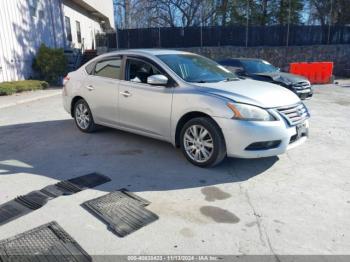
202,142
83,117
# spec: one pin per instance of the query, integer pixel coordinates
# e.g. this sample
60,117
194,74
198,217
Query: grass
9,88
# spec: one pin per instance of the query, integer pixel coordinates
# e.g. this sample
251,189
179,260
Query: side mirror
157,80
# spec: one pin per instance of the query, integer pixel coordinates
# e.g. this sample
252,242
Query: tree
329,12
265,12
122,12
185,13
135,14
289,11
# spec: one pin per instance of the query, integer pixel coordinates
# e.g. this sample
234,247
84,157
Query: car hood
282,77
253,92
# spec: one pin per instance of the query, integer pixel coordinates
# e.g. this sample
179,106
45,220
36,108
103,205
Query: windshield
197,69
258,66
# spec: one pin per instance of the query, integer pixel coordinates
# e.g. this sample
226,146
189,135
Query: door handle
90,87
125,93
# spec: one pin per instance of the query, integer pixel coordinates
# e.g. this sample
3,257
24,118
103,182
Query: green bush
50,64
9,88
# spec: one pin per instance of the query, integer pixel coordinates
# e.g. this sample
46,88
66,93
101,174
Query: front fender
187,101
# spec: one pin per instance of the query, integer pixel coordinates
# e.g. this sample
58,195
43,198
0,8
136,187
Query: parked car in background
262,70
187,100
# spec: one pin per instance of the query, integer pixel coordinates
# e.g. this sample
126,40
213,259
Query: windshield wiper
229,79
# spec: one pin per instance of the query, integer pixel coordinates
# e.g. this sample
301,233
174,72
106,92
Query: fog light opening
264,145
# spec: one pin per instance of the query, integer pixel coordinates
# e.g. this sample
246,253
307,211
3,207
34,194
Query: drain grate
22,205
123,211
48,242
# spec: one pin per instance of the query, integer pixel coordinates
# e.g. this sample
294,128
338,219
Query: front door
143,107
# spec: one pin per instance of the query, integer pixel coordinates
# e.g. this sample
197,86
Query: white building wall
22,31
89,27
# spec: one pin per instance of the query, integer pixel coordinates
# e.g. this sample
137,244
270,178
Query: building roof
100,9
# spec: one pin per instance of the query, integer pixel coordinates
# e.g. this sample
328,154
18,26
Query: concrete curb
23,101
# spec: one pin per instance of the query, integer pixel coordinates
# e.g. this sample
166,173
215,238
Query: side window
236,63
138,71
232,63
108,68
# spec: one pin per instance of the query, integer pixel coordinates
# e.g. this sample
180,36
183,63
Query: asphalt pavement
296,204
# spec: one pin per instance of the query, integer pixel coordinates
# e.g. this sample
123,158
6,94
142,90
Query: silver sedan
187,100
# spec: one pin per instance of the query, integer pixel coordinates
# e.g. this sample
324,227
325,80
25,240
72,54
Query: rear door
101,90
143,107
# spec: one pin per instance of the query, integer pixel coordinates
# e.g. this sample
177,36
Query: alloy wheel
82,116
198,143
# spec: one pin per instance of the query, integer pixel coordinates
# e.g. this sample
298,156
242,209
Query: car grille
301,85
294,114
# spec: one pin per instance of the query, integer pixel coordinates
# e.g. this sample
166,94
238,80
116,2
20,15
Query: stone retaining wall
282,56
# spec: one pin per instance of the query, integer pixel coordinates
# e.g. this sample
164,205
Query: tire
196,149
83,117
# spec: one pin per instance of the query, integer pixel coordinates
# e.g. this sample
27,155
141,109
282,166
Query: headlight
248,112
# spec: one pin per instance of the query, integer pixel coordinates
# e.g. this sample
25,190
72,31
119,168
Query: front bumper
240,134
305,93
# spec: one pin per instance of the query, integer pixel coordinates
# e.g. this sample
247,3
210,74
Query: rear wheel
83,117
202,142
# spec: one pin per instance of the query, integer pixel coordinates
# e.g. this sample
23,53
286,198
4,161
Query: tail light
65,81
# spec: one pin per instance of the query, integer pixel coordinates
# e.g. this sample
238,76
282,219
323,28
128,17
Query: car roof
151,51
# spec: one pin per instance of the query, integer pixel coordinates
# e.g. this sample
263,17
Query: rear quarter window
90,68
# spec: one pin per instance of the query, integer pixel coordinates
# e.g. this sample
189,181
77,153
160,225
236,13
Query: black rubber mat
48,242
68,188
12,210
54,191
123,211
89,180
124,196
34,200
23,205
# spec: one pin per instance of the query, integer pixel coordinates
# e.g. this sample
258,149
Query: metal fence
177,37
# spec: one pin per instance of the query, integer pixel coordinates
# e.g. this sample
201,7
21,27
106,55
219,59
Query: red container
316,72
321,73
327,71
294,68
